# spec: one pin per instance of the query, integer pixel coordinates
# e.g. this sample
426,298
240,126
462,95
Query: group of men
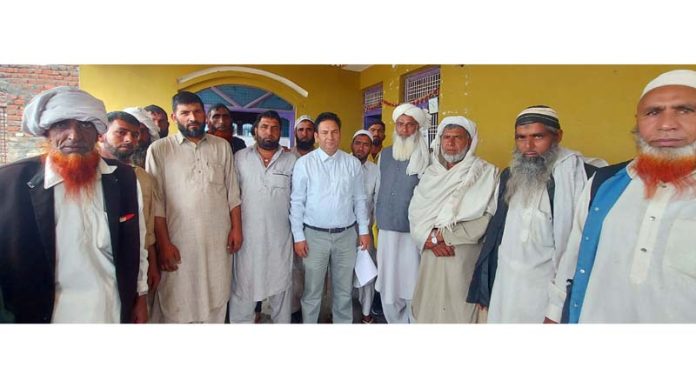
210,228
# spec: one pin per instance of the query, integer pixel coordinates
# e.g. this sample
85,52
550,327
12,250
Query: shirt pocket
680,252
216,174
280,180
541,227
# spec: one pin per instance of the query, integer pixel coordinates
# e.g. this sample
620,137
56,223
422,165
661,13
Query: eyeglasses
408,125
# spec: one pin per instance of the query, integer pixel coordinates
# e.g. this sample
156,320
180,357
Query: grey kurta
263,265
443,282
195,190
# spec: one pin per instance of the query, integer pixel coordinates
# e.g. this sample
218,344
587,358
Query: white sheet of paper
433,105
365,269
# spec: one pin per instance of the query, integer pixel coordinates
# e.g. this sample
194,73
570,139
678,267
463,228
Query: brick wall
18,84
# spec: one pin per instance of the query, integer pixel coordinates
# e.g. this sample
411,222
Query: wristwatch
433,237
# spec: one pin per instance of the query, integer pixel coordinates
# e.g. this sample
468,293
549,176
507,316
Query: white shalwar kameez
533,242
645,267
86,287
371,177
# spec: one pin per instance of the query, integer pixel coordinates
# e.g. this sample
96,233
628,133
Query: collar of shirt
52,178
273,158
323,156
180,138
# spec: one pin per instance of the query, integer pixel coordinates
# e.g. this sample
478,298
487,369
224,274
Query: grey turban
62,103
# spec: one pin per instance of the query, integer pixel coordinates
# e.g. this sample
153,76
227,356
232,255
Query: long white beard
403,147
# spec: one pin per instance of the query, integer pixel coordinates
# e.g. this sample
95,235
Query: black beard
267,144
122,156
377,142
195,133
305,145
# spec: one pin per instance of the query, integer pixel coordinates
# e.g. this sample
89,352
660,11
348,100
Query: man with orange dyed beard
632,252
71,245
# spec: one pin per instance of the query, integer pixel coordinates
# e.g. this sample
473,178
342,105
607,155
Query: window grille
372,100
372,105
419,88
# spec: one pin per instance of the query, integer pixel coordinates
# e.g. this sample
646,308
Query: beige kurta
146,187
196,188
443,282
264,263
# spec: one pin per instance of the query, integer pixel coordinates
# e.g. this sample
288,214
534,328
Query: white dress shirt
327,192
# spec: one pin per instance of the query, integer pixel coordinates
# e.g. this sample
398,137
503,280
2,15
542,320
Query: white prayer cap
301,119
418,114
674,77
362,132
144,117
461,121
62,103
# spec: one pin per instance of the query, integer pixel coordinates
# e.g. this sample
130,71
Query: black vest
27,239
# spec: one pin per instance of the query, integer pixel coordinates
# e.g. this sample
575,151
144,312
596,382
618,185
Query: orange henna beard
78,171
677,171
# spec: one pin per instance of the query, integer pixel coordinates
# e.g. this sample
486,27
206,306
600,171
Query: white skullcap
461,121
144,117
362,132
62,103
418,114
301,119
674,77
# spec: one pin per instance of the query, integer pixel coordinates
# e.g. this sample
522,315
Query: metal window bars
422,84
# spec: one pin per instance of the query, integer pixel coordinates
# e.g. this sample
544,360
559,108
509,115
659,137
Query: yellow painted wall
596,103
330,88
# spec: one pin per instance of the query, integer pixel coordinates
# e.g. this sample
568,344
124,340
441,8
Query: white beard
664,152
453,158
403,147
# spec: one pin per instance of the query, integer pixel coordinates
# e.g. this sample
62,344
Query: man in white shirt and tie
328,199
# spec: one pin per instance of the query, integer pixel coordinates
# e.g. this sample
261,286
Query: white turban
462,121
62,103
144,117
362,132
674,77
301,119
420,159
418,114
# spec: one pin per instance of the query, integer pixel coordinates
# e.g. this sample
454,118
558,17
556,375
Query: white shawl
445,197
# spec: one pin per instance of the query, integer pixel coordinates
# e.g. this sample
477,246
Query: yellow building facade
596,103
